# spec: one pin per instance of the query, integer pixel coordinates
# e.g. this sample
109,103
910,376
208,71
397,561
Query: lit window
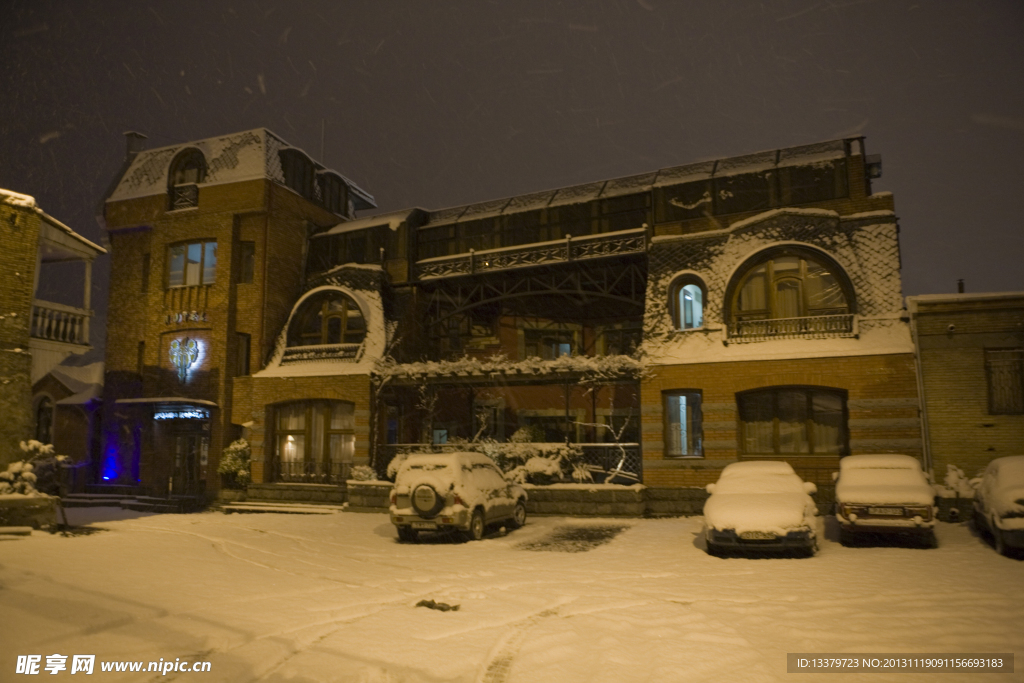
548,344
790,284
315,441
683,431
192,264
687,296
792,420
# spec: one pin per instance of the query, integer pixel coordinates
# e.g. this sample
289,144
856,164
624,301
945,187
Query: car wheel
999,541
407,535
426,501
518,515
715,550
845,537
979,521
476,526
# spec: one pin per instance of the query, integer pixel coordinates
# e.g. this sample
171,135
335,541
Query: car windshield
426,466
762,483
883,477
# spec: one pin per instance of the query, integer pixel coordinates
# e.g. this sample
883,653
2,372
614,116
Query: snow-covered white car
760,505
884,494
462,492
999,503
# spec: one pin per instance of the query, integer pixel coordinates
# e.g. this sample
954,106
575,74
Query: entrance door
190,453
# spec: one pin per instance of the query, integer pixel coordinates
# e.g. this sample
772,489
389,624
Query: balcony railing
808,327
60,323
305,472
184,196
342,352
542,253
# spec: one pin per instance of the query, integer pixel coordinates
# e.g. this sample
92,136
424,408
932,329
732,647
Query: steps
174,504
258,506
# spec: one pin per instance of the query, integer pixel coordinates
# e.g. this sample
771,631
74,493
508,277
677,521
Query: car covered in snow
999,503
454,492
760,505
884,494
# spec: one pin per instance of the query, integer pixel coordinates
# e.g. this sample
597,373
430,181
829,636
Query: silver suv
463,492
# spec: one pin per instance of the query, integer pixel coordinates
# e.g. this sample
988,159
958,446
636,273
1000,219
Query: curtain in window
792,413
757,414
752,295
828,422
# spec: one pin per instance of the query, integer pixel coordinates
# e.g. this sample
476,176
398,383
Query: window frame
674,291
767,259
204,249
695,425
774,391
325,406
1008,404
306,310
184,193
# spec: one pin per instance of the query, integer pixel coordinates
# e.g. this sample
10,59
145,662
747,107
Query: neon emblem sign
183,414
184,353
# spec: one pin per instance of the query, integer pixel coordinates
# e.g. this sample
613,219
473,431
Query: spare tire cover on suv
426,501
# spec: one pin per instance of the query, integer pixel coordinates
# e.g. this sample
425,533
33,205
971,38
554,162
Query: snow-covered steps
15,530
90,500
291,508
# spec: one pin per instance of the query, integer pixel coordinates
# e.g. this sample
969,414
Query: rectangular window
145,272
244,344
792,421
683,430
246,262
1004,369
548,344
315,441
191,264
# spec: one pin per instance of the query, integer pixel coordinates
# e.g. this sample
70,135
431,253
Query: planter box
368,496
30,511
586,500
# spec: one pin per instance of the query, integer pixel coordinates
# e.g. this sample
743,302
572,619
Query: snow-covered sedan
999,503
884,494
760,505
462,492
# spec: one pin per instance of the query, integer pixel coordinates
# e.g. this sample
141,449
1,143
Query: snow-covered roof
914,301
167,399
813,154
248,155
392,219
25,201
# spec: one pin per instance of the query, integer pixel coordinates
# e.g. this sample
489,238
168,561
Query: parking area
281,597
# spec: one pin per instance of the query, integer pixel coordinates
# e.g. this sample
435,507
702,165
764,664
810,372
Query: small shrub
234,463
363,473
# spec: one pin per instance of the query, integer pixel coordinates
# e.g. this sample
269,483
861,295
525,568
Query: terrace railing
342,352
807,327
307,472
59,323
542,253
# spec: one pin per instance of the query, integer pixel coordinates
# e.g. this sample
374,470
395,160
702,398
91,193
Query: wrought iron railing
557,251
812,326
342,352
56,322
308,472
184,196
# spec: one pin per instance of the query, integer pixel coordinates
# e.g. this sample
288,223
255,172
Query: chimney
134,143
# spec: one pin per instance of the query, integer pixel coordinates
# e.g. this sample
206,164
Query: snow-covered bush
38,474
19,479
959,483
363,473
581,473
234,462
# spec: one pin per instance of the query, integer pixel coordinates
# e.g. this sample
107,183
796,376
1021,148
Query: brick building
36,334
971,359
668,323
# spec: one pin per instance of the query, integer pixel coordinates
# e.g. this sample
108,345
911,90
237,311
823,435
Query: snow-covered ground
277,597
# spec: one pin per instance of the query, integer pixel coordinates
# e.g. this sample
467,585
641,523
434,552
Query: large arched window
315,441
687,296
186,172
328,317
790,291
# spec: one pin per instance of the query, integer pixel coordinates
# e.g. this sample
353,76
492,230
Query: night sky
441,103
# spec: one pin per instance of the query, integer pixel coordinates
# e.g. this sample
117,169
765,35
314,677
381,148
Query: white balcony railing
60,323
541,253
808,327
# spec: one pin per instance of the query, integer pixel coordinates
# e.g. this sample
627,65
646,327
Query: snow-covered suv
462,492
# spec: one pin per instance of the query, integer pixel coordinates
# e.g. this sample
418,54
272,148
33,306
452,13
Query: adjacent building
667,323
37,334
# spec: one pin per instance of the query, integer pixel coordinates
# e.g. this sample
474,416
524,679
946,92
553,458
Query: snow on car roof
756,468
879,461
1011,466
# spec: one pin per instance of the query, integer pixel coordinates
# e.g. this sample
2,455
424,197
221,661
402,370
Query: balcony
59,323
322,352
539,254
184,197
807,327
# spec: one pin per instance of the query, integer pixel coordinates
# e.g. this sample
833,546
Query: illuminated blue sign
182,414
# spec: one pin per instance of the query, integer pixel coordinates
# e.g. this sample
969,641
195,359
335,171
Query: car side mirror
835,476
809,488
710,488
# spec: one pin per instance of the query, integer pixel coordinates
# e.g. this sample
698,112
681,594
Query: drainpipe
925,432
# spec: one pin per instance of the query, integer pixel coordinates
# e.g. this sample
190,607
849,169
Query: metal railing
343,352
812,327
184,196
557,251
308,472
60,323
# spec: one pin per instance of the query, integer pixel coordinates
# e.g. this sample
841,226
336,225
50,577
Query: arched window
186,172
687,295
791,283
328,317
